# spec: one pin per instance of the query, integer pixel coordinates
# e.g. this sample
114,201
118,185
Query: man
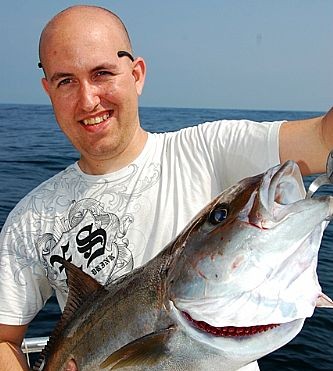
131,192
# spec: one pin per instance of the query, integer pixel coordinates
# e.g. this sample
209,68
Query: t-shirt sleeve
241,148
24,287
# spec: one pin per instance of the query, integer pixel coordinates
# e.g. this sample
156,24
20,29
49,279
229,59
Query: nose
89,97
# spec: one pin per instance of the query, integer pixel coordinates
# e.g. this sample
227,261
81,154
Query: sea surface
32,149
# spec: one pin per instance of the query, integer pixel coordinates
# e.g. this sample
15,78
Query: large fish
235,285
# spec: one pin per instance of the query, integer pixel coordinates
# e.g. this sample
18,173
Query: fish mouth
285,185
228,331
281,189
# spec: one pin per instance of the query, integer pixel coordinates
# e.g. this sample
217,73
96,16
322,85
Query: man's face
94,92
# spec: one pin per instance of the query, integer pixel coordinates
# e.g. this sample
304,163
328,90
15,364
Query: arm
11,356
308,142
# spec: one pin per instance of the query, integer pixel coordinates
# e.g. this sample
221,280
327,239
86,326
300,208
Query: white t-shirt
112,223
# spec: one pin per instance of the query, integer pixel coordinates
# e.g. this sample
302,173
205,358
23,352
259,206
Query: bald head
82,18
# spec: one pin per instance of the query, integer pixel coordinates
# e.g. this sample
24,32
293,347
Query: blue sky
256,54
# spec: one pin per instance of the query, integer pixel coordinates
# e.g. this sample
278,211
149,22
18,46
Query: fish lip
281,187
223,331
228,331
288,174
266,341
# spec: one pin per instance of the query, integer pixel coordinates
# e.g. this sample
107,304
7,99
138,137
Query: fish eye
219,214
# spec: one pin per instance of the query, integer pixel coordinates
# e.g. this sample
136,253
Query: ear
139,74
46,87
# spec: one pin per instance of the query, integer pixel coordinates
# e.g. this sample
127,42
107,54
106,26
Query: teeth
96,120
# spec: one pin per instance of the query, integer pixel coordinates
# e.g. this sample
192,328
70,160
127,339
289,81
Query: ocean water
32,149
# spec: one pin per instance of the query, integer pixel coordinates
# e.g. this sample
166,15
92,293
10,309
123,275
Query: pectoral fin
146,351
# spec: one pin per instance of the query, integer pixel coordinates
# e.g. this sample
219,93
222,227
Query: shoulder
191,132
47,190
52,184
205,134
210,128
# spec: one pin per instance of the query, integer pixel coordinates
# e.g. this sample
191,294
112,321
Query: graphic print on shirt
95,238
93,234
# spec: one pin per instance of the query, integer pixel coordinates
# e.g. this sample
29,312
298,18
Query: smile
96,120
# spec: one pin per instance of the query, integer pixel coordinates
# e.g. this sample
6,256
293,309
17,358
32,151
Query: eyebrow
60,75
105,66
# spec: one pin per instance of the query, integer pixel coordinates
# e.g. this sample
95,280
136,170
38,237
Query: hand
327,129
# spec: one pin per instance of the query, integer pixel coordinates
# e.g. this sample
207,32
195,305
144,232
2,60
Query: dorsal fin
80,287
80,284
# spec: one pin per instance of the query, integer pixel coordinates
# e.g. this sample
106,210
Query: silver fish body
235,285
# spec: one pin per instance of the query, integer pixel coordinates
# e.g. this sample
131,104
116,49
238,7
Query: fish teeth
96,120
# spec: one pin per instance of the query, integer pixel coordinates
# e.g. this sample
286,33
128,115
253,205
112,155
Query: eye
103,74
219,214
64,82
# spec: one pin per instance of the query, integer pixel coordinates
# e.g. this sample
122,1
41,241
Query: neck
121,159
